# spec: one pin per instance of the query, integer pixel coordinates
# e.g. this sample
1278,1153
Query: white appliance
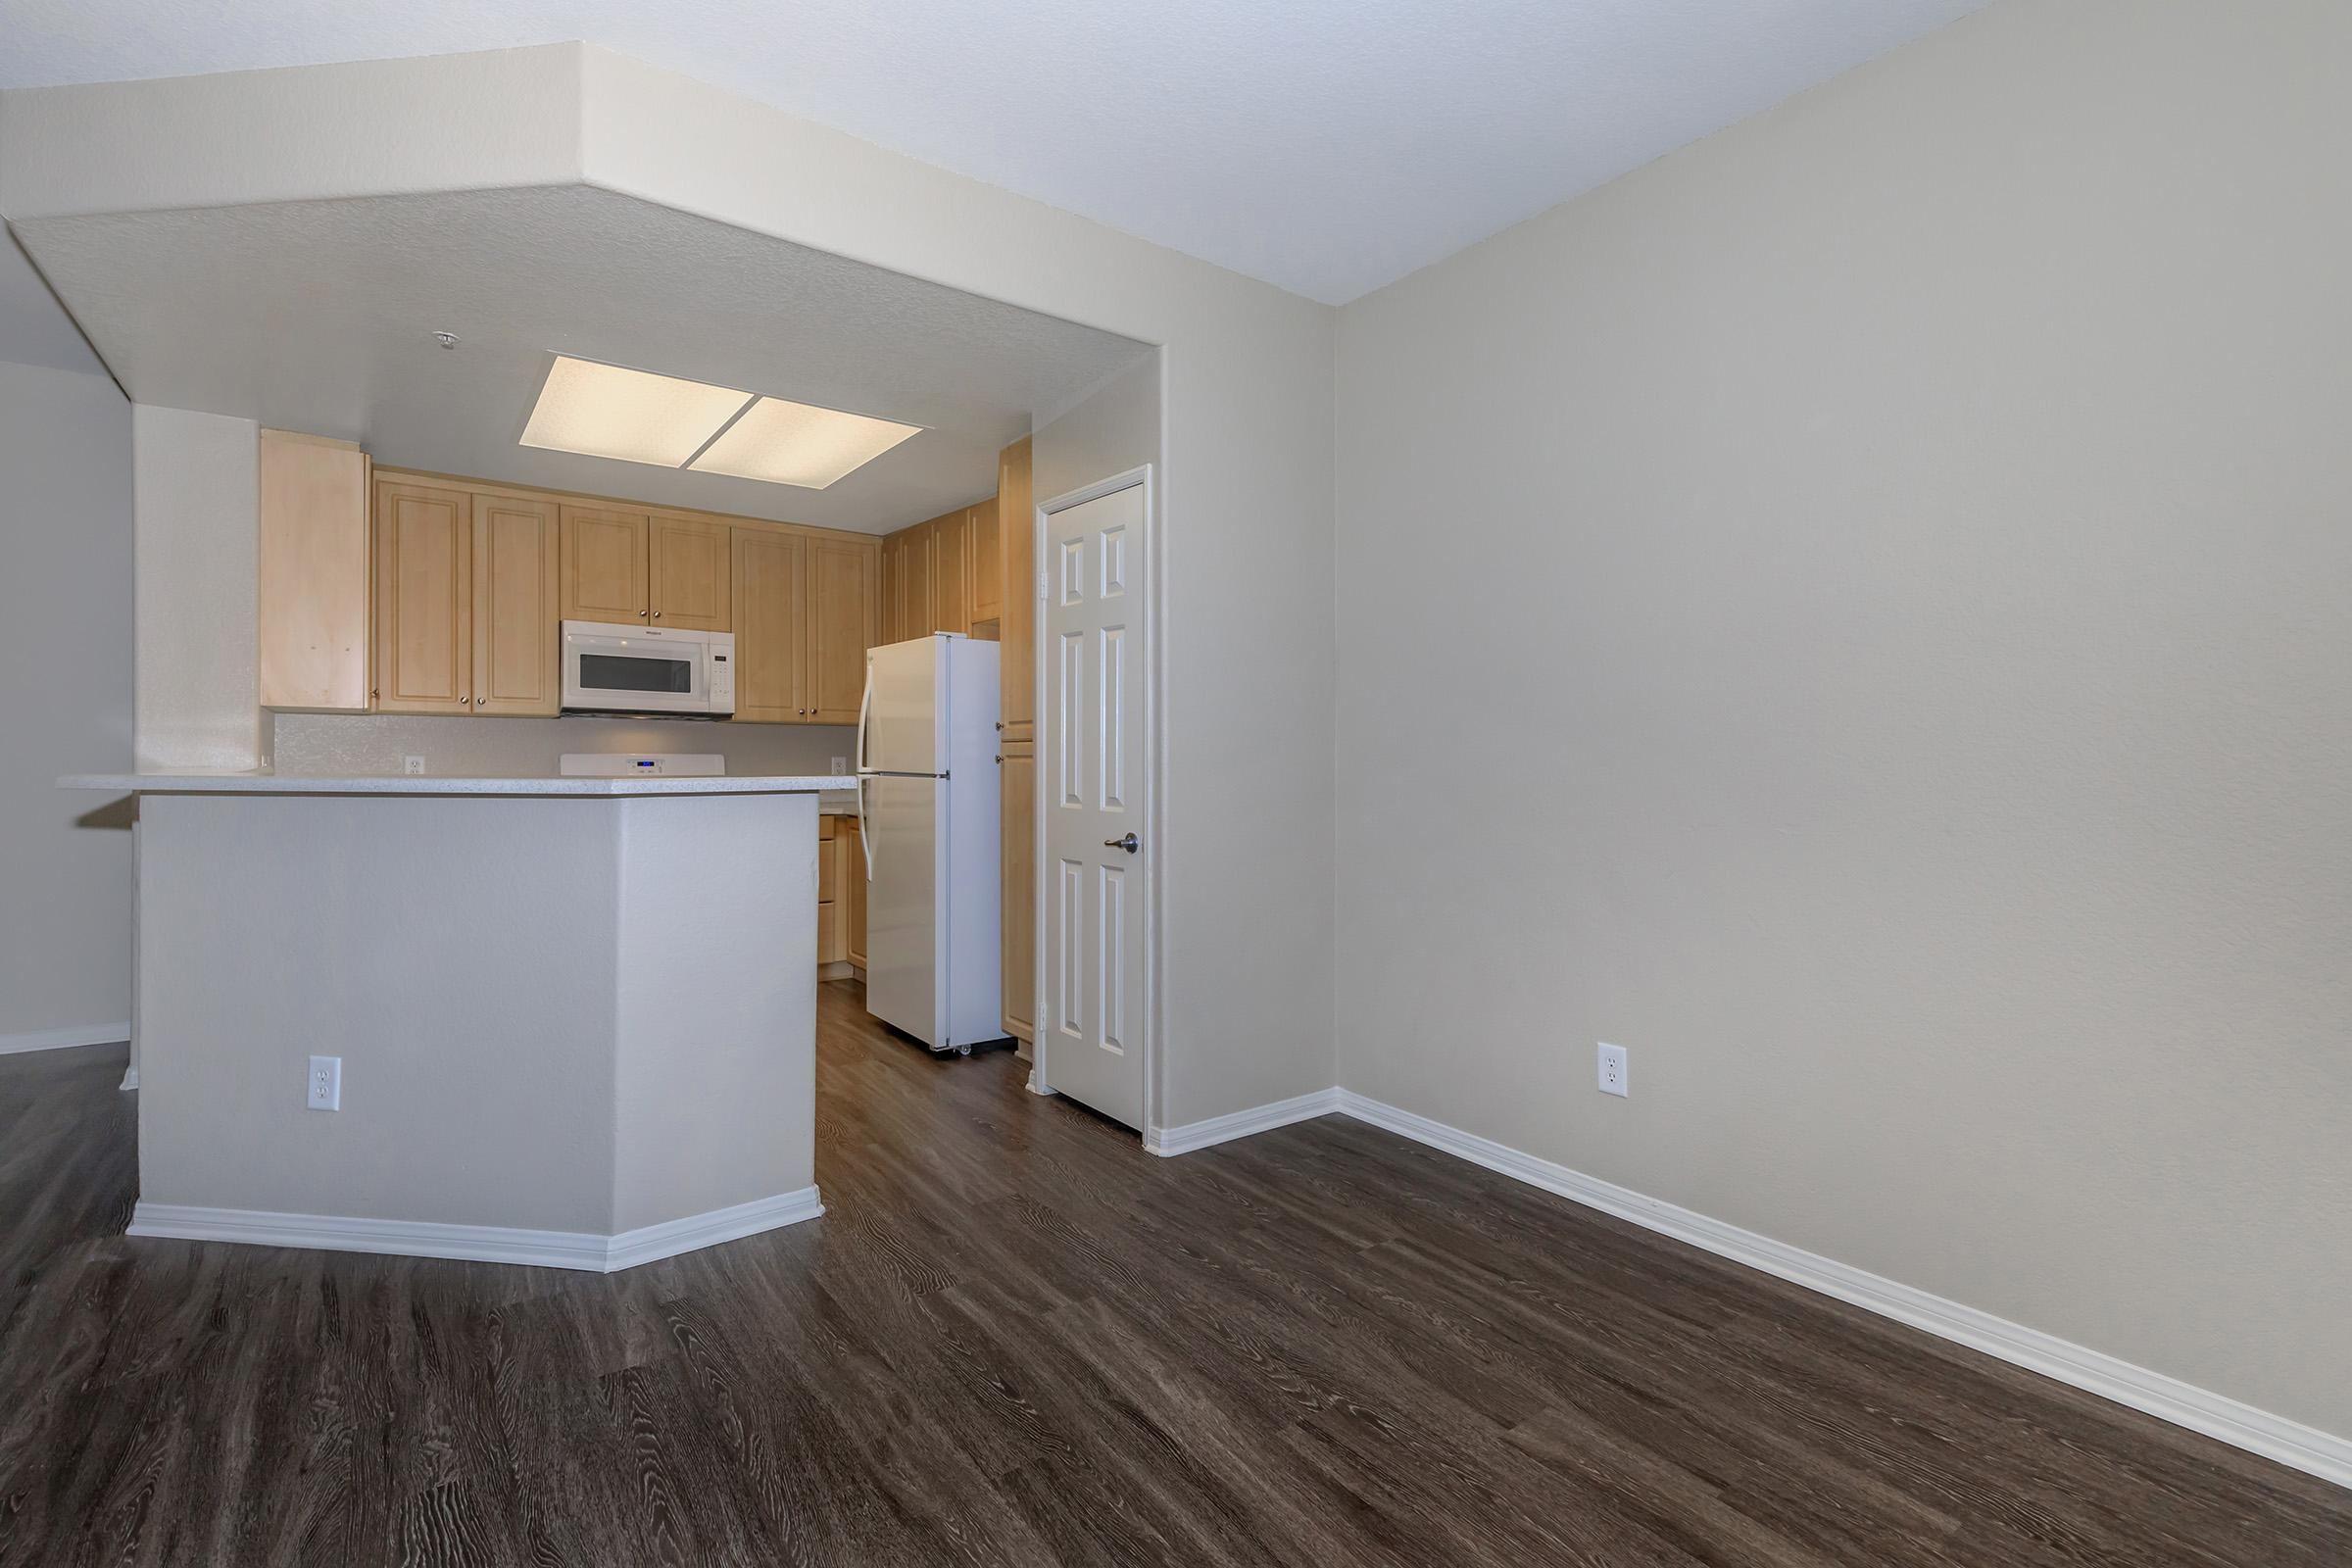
648,669
642,764
927,816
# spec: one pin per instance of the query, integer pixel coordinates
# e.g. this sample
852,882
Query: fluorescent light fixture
635,415
796,443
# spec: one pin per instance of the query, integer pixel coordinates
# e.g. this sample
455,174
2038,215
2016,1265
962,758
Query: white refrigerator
927,817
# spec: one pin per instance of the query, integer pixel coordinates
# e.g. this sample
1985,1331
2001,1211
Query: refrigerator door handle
865,704
866,833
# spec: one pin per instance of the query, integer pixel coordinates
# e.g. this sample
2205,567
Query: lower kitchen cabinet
1016,787
851,897
832,940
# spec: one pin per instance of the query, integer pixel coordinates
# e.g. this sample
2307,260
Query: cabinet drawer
828,872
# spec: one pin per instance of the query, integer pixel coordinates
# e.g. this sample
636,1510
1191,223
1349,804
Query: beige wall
66,697
1891,566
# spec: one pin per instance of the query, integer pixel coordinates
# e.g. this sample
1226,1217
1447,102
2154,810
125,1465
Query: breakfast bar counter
570,1021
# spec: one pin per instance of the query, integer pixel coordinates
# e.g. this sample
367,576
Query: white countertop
422,784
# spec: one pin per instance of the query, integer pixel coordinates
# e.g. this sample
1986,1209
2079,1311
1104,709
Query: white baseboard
130,1077
1241,1123
2289,1442
479,1244
85,1034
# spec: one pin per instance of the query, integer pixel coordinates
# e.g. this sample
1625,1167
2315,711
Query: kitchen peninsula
572,1021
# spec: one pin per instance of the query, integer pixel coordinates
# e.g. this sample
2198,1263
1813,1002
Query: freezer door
902,710
903,978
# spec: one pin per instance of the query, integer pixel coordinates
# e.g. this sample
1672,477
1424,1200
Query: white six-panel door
1094,787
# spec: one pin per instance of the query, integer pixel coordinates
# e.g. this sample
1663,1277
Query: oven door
629,669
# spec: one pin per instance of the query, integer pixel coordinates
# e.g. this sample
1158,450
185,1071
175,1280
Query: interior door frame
1154,770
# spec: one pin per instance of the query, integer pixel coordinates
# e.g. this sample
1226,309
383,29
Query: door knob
1127,843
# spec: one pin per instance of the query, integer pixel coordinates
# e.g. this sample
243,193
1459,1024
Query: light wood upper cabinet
517,659
605,564
952,573
311,607
691,568
844,591
424,610
988,561
915,567
1016,666
1017,786
771,642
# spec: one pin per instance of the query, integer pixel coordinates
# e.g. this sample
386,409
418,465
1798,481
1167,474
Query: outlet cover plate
326,1083
1612,1069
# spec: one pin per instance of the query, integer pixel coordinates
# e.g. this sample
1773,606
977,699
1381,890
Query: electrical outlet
411,765
841,765
326,1083
1612,1069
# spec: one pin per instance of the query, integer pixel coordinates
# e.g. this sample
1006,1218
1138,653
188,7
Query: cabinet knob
641,614
657,615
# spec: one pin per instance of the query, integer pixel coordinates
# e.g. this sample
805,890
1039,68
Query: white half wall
197,495
65,698
1891,560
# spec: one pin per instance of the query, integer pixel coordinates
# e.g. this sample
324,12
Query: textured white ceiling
1329,146
319,316
34,329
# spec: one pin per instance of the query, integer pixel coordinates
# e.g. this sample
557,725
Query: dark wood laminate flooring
1016,1338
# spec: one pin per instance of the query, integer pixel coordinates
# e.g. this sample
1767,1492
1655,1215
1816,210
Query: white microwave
641,670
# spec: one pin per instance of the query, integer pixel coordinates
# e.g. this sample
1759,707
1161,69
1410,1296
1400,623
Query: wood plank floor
1016,1338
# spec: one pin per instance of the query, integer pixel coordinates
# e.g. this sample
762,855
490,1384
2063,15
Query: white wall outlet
841,765
411,765
326,1083
1612,1069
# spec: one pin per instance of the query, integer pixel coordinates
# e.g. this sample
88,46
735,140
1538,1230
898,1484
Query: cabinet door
840,627
518,642
310,605
917,578
1016,699
950,573
691,571
604,565
424,610
1016,785
852,889
771,595
987,563
832,942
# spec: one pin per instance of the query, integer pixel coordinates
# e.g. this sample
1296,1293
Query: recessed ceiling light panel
800,443
603,411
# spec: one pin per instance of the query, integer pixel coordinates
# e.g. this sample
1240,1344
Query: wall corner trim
1241,1123
479,1244
85,1034
2184,1404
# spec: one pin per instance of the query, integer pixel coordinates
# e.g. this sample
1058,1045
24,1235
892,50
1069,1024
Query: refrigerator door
905,934
904,709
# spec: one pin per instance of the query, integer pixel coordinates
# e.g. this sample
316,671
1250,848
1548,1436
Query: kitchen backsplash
346,745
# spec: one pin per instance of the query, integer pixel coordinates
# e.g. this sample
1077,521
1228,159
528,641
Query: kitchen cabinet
1016,789
832,942
852,889
605,564
1016,702
952,573
844,588
915,563
423,610
664,569
987,537
518,651
311,602
771,627
690,570
465,600
804,614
